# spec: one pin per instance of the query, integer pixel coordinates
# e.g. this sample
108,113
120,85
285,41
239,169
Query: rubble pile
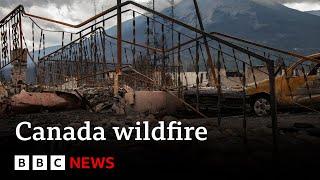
3,92
100,99
3,99
94,99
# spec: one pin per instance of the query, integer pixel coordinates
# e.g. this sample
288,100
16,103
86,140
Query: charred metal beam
104,33
158,14
251,43
137,44
209,35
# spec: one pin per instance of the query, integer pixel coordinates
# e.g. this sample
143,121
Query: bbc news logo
39,162
60,162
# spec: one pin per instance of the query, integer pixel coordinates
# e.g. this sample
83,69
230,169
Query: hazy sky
67,8
77,10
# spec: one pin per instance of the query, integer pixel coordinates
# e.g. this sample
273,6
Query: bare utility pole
210,61
119,49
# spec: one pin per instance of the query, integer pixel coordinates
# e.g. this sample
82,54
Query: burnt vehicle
294,87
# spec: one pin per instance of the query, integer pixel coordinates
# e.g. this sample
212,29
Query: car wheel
261,106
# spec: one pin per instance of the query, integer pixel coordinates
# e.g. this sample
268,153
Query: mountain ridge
268,23
316,12
271,24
